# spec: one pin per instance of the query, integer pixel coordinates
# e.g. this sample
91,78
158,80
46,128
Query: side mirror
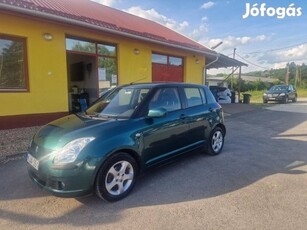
159,112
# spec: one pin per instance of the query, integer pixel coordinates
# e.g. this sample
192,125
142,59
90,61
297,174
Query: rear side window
193,96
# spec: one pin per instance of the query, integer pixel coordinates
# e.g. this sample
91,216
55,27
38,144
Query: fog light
57,185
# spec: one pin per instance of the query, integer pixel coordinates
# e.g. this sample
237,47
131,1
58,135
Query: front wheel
216,141
294,99
116,177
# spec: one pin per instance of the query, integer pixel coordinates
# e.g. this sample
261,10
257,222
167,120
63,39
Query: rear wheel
216,141
116,177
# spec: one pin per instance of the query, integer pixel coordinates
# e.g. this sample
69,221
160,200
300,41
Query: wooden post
239,84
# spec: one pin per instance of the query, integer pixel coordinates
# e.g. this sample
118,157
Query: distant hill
297,75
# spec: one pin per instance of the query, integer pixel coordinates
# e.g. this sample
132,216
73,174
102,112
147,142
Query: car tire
285,100
265,101
215,142
116,177
294,99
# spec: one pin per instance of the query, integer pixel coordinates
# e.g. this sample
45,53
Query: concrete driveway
259,181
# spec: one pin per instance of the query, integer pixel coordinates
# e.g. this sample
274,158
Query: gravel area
15,141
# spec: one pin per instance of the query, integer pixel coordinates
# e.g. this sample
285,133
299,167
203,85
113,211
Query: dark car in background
126,131
281,94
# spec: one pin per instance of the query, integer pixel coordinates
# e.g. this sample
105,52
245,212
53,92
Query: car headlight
265,94
71,150
282,94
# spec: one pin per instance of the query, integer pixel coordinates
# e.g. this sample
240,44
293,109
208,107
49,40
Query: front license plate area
32,161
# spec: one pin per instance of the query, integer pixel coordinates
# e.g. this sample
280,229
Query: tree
12,66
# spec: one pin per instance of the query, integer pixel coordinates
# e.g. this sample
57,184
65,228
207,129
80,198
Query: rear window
210,97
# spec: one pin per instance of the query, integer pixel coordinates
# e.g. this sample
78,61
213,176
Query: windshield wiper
107,116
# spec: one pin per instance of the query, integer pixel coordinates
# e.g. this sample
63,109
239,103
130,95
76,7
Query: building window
106,55
13,66
81,46
167,68
175,61
106,50
159,58
167,60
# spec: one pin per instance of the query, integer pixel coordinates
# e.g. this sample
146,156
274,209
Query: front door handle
183,116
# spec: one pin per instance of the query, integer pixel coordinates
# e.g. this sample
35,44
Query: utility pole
234,56
239,84
287,75
296,77
300,76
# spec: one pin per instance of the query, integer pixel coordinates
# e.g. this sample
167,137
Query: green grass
302,92
256,97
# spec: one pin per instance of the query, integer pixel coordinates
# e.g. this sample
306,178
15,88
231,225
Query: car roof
162,84
282,85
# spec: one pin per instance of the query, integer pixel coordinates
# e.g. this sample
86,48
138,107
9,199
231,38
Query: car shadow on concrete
258,144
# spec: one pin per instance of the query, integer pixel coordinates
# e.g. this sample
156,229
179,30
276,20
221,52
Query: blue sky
263,42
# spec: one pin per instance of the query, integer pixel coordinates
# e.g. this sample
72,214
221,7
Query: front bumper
274,98
64,182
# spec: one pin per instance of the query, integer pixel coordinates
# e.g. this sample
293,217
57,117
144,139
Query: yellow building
54,52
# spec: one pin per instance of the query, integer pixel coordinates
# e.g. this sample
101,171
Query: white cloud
295,54
207,5
232,42
105,2
279,65
197,33
261,38
153,15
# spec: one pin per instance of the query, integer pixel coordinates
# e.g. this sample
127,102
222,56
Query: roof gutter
84,24
217,58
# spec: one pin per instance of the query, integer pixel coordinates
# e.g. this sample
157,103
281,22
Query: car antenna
131,83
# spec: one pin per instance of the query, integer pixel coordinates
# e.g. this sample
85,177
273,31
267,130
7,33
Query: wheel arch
131,152
222,126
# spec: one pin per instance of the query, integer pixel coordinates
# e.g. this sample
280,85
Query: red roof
92,13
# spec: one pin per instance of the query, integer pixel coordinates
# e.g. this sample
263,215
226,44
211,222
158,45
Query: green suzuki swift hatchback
129,129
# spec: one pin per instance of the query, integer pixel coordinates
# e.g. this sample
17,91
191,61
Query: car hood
59,132
276,92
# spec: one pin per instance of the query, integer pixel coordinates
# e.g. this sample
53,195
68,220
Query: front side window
13,66
167,98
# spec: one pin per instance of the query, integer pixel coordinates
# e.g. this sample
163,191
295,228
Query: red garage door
167,68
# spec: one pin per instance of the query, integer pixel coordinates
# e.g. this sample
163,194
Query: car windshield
279,88
118,103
